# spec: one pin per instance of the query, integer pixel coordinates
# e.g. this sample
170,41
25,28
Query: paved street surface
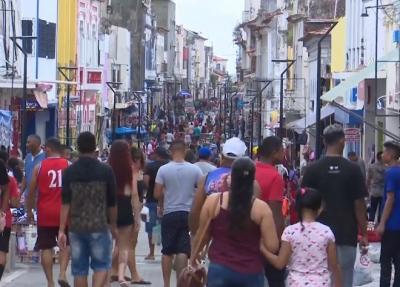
32,275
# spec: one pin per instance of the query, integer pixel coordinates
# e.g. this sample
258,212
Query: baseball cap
204,152
234,148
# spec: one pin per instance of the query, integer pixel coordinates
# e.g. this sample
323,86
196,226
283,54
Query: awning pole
378,128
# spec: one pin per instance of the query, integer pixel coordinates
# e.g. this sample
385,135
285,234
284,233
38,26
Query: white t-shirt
170,138
149,148
205,167
188,139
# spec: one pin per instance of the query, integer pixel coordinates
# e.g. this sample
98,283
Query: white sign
352,134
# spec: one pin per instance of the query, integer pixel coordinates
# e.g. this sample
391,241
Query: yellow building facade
66,57
338,51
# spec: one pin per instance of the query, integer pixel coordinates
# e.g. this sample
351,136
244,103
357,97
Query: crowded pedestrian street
27,275
199,143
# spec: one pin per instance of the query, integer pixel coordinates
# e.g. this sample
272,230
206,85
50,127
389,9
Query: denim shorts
95,248
152,206
221,276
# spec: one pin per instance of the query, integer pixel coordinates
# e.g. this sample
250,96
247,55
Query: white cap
234,148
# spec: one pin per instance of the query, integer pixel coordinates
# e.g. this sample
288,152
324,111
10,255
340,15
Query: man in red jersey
46,180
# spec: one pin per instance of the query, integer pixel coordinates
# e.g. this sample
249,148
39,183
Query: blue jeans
152,206
221,276
347,257
390,255
95,248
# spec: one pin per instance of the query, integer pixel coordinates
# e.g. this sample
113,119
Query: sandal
63,283
123,283
141,282
150,257
113,278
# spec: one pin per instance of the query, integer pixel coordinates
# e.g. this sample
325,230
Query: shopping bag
30,237
145,214
193,277
374,253
362,271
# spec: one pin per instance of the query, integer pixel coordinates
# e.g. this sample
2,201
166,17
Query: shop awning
129,131
339,93
41,98
310,119
184,94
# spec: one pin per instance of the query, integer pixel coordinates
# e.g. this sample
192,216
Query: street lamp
225,104
365,14
24,89
268,82
281,118
318,102
62,71
252,125
231,113
136,95
114,86
220,108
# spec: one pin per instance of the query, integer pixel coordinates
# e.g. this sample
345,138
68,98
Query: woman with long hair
138,163
236,223
128,219
14,165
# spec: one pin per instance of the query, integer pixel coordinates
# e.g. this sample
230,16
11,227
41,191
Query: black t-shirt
3,174
341,183
151,170
89,187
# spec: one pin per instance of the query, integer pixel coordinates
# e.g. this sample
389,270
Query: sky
214,20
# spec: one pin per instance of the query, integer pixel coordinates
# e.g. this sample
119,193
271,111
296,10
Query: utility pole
24,122
318,133
68,78
113,87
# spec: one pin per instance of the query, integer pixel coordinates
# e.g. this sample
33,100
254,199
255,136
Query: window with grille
46,39
27,30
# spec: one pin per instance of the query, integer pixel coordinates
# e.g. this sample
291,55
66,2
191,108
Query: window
94,77
81,41
27,30
88,45
165,43
94,44
46,39
91,117
116,74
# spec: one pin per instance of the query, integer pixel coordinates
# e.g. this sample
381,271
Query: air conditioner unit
164,67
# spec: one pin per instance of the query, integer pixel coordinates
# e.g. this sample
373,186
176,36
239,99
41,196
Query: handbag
196,276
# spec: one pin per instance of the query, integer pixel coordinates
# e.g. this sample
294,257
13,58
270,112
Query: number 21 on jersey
56,178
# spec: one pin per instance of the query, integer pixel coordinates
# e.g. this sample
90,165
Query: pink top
308,265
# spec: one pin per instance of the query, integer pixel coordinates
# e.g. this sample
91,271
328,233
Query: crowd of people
230,207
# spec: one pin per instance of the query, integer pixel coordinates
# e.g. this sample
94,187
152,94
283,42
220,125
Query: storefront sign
352,134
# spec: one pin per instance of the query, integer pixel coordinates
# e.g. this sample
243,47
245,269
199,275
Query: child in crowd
308,247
